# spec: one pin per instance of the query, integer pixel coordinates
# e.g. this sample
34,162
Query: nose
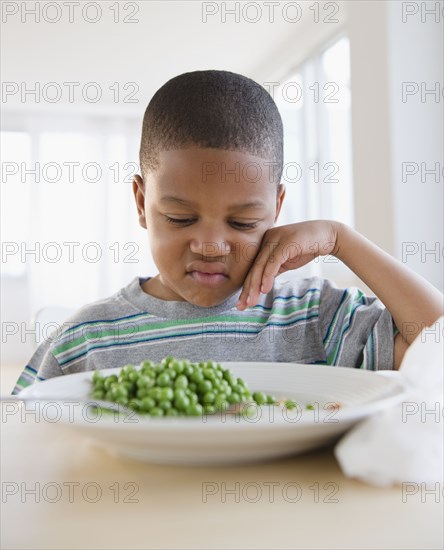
210,241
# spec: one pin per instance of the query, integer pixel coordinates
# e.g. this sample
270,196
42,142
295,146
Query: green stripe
332,354
168,324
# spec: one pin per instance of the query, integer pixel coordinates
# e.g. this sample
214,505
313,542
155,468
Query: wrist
339,231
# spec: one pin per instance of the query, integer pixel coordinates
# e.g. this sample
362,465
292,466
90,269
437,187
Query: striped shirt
306,320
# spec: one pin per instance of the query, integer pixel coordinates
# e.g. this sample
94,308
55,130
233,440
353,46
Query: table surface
61,491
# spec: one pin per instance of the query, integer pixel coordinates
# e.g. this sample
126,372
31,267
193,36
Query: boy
209,194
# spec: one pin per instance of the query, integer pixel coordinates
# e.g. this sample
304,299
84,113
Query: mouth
209,274
208,279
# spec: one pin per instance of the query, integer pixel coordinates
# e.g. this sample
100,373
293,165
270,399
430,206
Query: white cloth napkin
404,443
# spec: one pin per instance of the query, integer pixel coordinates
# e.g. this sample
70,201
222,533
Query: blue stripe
30,368
344,294
147,314
113,343
344,331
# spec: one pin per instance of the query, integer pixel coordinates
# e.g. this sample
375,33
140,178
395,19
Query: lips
210,274
210,268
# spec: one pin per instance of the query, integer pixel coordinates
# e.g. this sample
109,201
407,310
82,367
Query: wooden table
85,497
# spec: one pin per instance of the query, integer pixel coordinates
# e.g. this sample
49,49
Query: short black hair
213,109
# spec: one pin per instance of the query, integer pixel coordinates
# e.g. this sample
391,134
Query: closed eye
182,221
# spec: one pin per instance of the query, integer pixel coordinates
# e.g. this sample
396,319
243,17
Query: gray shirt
306,320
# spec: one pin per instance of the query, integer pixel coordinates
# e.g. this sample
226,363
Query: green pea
178,366
291,404
271,399
209,374
133,376
172,412
233,398
99,384
164,404
193,398
179,392
135,404
260,397
130,386
142,392
118,391
145,381
310,407
147,403
188,370
181,382
156,411
221,402
163,379
209,397
205,386
155,393
171,373
194,410
122,400
148,371
108,381
97,375
98,394
197,377
181,403
250,411
159,368
128,368
166,394
167,360
209,409
228,375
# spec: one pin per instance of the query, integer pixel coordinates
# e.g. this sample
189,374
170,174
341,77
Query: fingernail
262,289
248,300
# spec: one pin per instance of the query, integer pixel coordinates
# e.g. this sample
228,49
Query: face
206,211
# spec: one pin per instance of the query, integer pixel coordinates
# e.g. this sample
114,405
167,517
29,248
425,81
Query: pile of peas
175,388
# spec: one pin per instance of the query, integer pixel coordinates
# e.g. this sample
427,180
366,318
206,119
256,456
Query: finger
273,268
265,255
242,301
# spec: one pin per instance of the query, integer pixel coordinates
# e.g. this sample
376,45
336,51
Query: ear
279,200
139,195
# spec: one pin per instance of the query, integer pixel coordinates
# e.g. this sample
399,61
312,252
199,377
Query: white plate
270,433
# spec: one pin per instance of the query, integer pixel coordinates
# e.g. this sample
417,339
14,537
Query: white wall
416,55
385,51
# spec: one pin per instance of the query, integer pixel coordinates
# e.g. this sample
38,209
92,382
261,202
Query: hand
284,248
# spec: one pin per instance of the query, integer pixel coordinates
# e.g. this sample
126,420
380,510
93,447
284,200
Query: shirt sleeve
357,330
41,366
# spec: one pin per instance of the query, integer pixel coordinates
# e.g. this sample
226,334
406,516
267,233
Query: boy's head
212,145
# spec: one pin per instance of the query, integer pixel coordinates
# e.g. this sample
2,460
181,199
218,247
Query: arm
41,366
411,300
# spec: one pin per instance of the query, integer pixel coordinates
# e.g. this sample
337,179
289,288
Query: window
315,104
69,223
15,200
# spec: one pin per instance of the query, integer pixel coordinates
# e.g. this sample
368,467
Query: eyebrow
251,204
